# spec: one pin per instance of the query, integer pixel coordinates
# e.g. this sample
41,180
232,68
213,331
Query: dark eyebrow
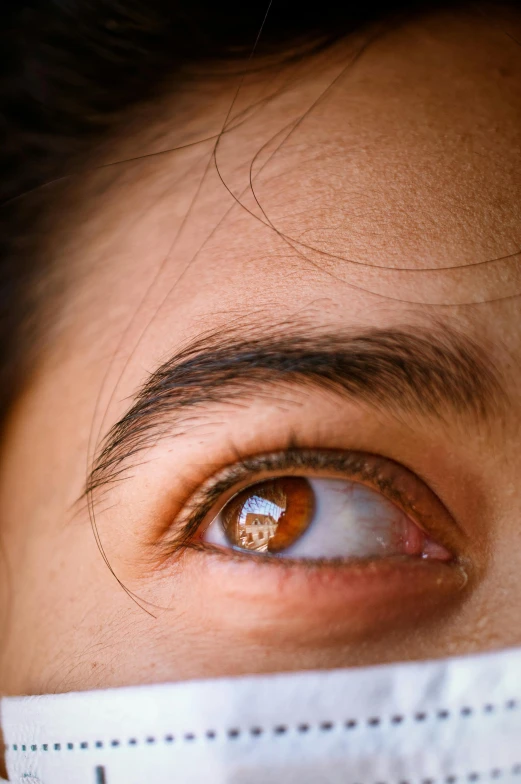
428,371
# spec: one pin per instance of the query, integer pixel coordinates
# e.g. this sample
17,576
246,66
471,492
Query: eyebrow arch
431,371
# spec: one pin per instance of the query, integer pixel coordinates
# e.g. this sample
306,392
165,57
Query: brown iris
269,516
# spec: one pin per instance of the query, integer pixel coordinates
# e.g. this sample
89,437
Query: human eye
301,517
323,505
347,544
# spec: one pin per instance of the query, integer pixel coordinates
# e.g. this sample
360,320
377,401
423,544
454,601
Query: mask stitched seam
280,729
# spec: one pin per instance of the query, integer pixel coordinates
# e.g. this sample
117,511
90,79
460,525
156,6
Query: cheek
61,604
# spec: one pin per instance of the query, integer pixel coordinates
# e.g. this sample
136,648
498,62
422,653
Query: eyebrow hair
428,371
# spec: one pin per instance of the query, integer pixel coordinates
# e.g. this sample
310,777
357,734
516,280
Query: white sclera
350,521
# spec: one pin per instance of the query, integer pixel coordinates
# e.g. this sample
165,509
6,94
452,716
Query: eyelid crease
432,372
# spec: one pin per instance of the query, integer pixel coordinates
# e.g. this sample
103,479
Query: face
276,422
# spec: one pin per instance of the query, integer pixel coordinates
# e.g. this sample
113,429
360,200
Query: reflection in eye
319,518
270,516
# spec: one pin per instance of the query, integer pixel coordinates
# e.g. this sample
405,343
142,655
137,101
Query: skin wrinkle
412,369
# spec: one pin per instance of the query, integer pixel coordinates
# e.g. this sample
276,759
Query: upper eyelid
429,371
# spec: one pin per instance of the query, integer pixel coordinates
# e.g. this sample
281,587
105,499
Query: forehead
370,184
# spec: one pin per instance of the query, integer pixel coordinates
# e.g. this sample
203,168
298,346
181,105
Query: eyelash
367,468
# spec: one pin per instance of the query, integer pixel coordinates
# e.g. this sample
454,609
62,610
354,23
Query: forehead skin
384,181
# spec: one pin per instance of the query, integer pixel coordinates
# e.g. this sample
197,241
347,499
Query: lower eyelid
343,600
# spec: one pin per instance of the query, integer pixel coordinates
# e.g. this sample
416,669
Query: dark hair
69,69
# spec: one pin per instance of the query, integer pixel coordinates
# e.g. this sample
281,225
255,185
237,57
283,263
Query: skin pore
363,191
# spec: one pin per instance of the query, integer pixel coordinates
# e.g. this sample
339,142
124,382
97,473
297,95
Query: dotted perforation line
473,776
280,729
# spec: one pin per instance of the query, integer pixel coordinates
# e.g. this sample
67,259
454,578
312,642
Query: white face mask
451,721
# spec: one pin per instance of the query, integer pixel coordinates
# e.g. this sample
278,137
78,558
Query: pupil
269,516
